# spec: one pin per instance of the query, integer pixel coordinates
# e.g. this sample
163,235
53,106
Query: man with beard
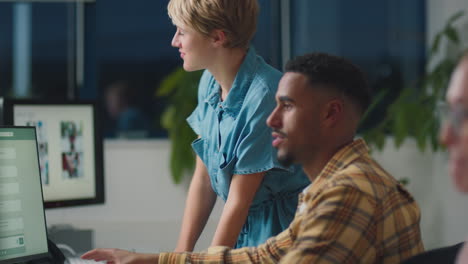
354,211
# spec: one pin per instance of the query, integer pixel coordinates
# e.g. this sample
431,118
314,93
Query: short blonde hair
236,18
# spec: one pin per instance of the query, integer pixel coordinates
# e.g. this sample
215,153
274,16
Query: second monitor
70,148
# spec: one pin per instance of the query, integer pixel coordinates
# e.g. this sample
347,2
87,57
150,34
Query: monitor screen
70,148
23,234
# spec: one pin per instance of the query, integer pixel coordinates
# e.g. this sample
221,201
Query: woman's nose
175,40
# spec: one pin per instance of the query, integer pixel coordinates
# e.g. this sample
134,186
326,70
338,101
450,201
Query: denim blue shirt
234,139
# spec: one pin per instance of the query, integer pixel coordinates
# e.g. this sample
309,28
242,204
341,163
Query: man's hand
119,256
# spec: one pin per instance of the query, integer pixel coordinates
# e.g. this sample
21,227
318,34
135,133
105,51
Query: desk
145,237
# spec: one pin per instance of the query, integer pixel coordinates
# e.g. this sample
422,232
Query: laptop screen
23,234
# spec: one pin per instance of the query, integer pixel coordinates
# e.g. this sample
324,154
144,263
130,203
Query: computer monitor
23,234
70,148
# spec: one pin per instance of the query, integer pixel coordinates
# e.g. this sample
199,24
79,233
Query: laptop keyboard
76,260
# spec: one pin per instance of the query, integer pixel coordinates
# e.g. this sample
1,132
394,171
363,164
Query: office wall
437,14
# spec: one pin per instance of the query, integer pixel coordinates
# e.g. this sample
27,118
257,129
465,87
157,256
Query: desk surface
146,237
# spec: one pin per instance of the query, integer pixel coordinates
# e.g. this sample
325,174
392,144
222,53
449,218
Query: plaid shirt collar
341,159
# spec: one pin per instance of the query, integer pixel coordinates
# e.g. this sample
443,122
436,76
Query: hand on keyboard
77,260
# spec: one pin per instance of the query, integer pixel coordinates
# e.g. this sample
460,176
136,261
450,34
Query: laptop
23,230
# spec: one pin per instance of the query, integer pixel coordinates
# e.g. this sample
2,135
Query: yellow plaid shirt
354,212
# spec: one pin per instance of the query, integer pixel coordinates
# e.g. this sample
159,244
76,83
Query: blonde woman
235,158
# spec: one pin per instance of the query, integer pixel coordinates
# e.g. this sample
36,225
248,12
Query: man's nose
273,120
447,135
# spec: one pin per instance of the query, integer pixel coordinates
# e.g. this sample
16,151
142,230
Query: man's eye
287,106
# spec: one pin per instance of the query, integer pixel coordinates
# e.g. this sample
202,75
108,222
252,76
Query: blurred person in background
454,135
130,121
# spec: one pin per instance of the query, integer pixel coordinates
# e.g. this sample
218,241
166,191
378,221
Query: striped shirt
354,212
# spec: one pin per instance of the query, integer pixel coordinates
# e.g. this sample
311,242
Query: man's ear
333,112
219,38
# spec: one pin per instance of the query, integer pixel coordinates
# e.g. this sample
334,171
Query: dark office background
130,41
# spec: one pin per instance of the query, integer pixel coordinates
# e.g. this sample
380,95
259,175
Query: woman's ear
219,38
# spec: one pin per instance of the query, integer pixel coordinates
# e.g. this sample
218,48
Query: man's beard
286,160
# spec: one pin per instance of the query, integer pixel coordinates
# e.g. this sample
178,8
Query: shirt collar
240,86
343,158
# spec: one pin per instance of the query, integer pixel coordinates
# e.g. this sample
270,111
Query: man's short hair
333,72
236,18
